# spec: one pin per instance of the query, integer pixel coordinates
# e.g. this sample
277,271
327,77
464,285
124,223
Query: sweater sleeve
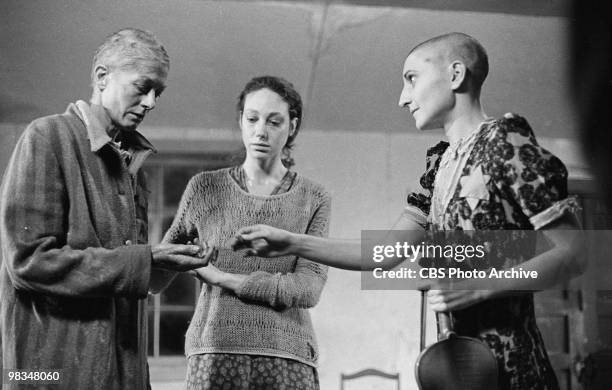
300,288
34,233
180,232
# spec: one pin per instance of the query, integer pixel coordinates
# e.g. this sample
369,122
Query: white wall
368,176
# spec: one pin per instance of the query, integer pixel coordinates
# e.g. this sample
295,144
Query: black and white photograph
309,195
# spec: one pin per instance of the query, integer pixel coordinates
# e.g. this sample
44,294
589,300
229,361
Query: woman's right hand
179,257
264,241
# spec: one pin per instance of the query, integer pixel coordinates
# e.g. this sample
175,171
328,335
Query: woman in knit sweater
251,328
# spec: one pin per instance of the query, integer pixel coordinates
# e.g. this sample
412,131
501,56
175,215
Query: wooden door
576,323
595,368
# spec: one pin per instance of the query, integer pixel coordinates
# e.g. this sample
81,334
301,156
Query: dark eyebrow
156,85
159,87
253,111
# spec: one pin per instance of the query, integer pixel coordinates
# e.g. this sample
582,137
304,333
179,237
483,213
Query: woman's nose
405,97
260,129
149,100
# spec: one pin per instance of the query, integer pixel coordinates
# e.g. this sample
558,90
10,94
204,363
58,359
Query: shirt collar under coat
98,123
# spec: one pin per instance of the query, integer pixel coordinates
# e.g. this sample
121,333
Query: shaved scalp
462,47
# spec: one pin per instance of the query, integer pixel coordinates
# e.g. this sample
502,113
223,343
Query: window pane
166,222
172,329
150,337
175,181
180,292
168,176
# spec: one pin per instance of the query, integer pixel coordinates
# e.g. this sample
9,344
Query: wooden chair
369,372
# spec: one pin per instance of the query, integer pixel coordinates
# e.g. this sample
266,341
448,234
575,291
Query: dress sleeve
34,232
419,202
529,178
301,288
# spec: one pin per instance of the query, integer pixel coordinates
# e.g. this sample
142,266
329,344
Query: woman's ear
293,126
101,75
458,74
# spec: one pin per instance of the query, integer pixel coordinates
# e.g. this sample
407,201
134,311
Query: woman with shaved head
492,175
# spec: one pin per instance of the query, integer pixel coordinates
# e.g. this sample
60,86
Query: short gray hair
129,48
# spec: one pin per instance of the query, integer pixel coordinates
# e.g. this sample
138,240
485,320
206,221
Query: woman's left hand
209,274
213,276
449,300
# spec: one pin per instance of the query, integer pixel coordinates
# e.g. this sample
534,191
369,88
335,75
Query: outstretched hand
263,240
449,300
179,257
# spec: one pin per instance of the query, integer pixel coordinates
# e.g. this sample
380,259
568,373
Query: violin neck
445,325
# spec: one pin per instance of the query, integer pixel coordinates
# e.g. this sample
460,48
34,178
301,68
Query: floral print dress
498,177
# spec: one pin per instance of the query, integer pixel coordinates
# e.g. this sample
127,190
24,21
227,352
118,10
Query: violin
454,362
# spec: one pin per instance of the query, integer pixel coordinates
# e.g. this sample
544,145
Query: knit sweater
267,315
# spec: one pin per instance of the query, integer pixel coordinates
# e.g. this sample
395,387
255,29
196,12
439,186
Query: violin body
454,362
457,363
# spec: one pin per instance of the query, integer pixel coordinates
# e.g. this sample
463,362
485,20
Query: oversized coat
75,266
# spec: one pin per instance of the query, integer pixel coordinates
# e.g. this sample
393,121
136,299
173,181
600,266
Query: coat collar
98,125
